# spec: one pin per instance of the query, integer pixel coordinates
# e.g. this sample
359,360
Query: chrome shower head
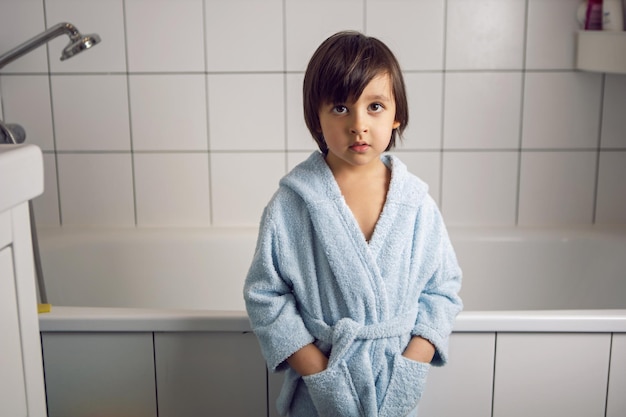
78,44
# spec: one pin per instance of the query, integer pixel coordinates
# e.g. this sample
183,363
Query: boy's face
357,132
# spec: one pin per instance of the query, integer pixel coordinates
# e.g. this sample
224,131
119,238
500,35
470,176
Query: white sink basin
21,174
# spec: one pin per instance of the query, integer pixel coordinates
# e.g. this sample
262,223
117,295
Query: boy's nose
358,130
358,126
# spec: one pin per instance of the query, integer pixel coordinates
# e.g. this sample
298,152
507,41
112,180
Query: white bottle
612,15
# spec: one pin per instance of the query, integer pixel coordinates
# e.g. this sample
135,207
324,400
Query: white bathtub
504,269
543,332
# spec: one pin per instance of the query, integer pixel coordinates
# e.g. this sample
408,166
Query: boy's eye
376,107
340,109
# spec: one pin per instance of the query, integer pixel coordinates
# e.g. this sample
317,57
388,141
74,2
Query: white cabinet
464,386
551,374
13,400
103,374
616,402
210,374
21,372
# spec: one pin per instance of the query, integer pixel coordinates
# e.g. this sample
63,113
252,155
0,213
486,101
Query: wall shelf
601,51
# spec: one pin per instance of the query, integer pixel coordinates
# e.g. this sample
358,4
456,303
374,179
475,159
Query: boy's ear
396,124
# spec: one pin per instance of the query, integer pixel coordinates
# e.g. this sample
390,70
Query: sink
21,174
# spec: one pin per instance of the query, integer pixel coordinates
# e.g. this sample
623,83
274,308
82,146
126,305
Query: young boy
353,289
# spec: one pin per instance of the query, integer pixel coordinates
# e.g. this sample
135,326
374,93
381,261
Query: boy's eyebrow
380,97
372,97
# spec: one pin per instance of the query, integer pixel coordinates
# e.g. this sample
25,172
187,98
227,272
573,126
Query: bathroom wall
189,111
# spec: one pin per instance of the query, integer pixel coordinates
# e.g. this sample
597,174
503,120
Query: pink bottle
593,17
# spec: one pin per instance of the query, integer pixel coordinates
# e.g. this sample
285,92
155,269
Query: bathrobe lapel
348,253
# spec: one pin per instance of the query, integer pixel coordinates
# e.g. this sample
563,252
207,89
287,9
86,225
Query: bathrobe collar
339,232
314,182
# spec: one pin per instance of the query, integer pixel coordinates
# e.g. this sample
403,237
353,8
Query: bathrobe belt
345,331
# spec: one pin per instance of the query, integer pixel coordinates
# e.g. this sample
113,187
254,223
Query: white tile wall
103,123
562,110
21,20
473,194
168,112
46,206
611,204
247,112
165,35
242,183
298,136
309,22
188,115
96,189
161,200
485,34
482,110
424,94
244,35
414,30
557,188
551,28
27,102
613,112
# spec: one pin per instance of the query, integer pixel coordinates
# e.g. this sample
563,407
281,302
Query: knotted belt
345,331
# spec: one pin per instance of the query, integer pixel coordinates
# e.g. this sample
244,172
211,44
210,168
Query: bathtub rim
458,231
110,319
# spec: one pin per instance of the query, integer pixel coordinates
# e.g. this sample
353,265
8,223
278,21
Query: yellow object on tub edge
44,308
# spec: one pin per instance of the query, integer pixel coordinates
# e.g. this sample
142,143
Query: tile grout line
54,136
594,214
443,103
130,118
518,191
285,88
208,113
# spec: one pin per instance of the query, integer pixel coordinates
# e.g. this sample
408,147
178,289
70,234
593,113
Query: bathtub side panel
99,373
616,403
464,386
551,374
210,374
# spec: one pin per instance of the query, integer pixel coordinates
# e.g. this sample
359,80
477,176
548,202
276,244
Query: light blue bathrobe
314,278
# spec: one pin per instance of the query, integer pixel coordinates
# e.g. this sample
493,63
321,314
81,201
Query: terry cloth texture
315,279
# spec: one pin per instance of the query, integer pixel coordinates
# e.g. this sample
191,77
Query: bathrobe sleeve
270,302
439,302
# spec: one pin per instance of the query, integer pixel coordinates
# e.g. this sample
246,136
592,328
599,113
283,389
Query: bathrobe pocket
333,392
406,385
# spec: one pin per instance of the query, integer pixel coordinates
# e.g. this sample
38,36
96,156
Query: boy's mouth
359,147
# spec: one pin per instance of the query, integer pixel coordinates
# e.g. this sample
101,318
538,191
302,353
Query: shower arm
37,41
13,133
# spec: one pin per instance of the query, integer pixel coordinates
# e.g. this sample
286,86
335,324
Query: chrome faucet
11,133
78,43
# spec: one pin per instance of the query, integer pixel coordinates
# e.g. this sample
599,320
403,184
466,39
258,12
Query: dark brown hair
339,71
